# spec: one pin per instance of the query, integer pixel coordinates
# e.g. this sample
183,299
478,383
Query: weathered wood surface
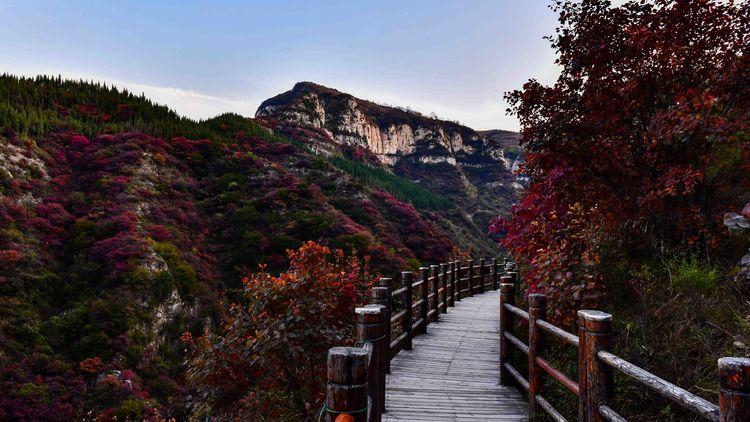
453,372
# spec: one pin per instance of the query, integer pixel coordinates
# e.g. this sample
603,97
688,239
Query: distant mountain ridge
472,168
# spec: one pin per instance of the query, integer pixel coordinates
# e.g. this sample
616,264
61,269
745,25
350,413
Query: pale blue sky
201,58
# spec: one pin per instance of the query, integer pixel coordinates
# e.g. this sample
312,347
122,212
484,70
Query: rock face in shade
473,168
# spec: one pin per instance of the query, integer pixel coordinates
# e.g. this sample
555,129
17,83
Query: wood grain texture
453,370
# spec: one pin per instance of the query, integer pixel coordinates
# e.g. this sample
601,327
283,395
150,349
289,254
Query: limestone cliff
472,168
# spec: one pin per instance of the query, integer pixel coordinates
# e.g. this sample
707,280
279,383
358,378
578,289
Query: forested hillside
125,228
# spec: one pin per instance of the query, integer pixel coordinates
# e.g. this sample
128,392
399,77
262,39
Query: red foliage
92,366
8,257
641,141
277,342
158,232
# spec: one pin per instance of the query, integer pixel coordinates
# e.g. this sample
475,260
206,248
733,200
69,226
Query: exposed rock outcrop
475,169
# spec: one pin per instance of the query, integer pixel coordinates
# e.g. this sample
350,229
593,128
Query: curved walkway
452,372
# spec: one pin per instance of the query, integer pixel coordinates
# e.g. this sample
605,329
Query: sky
204,58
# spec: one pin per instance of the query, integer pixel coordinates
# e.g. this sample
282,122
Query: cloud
190,103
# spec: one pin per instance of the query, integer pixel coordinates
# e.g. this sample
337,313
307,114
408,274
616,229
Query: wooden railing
356,375
596,364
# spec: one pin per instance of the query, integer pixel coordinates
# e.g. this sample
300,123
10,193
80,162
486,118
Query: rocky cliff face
474,169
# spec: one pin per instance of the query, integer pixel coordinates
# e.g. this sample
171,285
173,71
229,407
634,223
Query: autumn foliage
268,359
639,147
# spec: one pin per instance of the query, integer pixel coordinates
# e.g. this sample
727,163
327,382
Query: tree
268,360
641,143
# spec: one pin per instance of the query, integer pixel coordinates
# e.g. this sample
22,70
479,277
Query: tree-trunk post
481,275
537,311
371,328
346,389
381,295
406,278
594,334
449,286
470,276
424,275
734,389
507,296
457,280
444,285
434,283
516,279
495,275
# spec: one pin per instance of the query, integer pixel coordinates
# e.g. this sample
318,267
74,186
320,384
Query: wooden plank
453,371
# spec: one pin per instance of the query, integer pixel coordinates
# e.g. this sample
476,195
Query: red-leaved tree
268,360
642,142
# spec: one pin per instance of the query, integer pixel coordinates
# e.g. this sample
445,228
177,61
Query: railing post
371,328
515,278
444,285
381,295
346,389
537,310
507,296
470,276
457,280
495,276
406,279
594,334
424,274
434,304
450,285
734,389
482,274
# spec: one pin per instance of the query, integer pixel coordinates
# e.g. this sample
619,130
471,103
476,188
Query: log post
444,285
381,295
595,377
537,311
346,389
515,278
424,274
457,280
470,276
406,278
734,389
371,328
481,275
435,302
507,296
452,284
495,275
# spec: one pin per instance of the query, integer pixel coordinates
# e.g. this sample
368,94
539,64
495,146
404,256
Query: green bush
690,273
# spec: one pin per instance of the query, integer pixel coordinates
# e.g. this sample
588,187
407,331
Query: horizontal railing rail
595,364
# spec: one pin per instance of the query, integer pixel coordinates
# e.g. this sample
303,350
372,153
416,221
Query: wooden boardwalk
452,373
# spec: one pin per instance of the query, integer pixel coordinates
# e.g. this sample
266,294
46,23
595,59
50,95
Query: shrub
268,360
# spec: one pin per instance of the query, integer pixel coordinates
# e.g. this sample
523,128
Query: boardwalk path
452,372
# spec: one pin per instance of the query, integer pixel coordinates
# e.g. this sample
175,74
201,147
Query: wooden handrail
665,388
594,388
356,375
438,288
